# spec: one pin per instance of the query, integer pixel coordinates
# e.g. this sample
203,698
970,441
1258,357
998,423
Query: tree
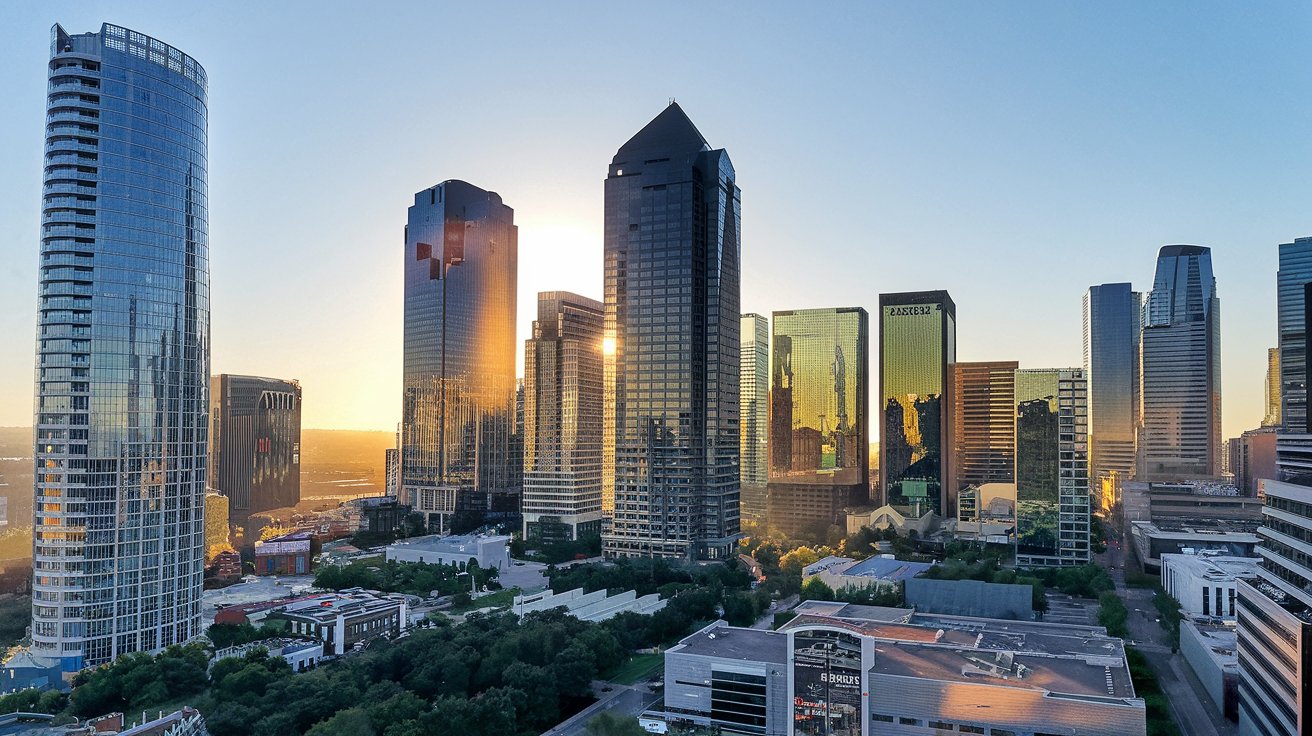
349,722
816,589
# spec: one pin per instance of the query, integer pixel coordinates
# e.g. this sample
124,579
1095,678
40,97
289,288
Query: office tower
1052,467
917,343
754,414
255,443
1275,608
672,224
392,471
123,355
1180,433
1291,280
982,427
1112,328
819,435
1253,459
562,418
457,410
1272,418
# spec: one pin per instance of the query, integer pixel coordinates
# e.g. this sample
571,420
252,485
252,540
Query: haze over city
1012,155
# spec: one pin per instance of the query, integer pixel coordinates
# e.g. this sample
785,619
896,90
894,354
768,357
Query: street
623,700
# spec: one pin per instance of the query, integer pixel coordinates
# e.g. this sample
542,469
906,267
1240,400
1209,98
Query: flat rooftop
1218,640
721,640
1214,568
1196,529
453,543
887,569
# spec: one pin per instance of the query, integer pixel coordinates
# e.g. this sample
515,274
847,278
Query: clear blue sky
1011,153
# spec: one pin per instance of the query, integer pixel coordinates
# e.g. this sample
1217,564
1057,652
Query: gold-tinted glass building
819,434
917,342
982,430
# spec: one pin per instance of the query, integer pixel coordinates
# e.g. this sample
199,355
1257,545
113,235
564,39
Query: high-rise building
819,435
982,426
1275,609
1273,410
457,410
754,414
562,418
672,321
123,353
1180,379
917,343
1291,280
1052,467
255,443
1112,327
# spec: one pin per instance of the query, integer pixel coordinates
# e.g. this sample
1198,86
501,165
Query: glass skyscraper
819,436
1112,329
255,443
1180,381
1273,410
457,411
563,373
917,342
982,429
123,353
1294,274
1052,467
672,321
754,420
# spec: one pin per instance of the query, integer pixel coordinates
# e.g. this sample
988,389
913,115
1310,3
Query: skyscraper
982,429
1180,381
819,435
1294,274
562,418
457,411
1112,328
754,419
1052,467
1273,401
917,342
672,321
1275,610
123,354
255,443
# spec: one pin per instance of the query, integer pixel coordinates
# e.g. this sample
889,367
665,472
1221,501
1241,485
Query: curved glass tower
123,355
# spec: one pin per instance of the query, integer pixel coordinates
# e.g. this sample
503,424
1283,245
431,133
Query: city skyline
562,215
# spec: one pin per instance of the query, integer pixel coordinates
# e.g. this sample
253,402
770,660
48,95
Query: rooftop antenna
671,100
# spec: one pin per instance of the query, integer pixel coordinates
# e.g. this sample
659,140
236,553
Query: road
1193,711
623,700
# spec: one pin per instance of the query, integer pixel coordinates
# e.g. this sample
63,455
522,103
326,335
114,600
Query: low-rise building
490,552
868,671
594,606
883,572
288,554
342,620
1205,584
1211,650
300,654
1153,539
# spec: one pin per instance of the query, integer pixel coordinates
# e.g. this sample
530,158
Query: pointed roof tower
670,130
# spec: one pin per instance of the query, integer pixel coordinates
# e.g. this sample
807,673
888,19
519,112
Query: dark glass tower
917,342
1294,274
457,411
672,321
819,435
1112,329
1180,380
123,354
255,443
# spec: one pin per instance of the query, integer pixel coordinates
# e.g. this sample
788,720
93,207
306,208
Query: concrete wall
1194,646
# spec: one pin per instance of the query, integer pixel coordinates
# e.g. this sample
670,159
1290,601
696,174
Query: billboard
826,683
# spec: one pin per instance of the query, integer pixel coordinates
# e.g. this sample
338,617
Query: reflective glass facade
255,443
982,431
1052,467
754,419
1294,274
457,411
819,435
123,352
672,321
917,342
562,418
1180,381
1112,327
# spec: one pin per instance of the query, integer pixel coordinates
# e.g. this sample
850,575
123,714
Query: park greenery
558,551
414,578
1147,687
231,635
15,615
1113,615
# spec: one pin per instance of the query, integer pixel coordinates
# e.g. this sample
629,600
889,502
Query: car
519,564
